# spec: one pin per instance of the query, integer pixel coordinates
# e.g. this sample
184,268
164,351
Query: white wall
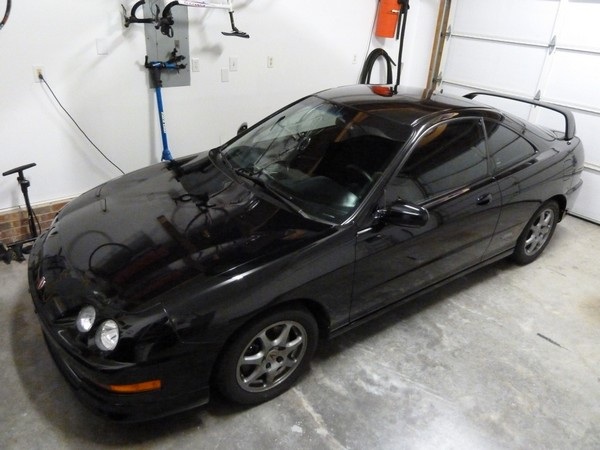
313,43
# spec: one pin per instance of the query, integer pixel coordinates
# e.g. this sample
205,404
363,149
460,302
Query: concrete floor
507,357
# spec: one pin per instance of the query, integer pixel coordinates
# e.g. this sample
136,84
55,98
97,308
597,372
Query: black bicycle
165,21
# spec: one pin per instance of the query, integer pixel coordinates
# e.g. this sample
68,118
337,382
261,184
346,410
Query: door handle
484,199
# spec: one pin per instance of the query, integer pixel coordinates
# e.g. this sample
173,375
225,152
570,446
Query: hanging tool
155,68
400,30
365,75
391,20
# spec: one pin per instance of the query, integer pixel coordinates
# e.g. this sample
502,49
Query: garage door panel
580,28
587,204
451,89
481,17
573,79
548,119
518,109
587,129
508,46
494,65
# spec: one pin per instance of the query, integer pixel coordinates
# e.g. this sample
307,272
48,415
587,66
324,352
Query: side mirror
405,214
243,127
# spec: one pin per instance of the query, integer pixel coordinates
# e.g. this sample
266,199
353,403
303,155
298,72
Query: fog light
107,335
85,319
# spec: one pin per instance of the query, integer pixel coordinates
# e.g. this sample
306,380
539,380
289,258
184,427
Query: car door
523,177
447,173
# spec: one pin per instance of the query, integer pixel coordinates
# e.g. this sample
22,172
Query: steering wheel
360,171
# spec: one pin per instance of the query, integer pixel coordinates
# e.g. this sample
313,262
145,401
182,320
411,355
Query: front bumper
184,371
87,380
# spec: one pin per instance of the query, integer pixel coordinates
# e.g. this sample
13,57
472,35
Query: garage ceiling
547,49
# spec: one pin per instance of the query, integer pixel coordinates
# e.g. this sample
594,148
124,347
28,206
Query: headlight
107,335
85,319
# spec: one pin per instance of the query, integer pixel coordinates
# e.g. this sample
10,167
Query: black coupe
224,269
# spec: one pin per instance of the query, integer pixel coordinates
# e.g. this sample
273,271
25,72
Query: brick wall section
15,227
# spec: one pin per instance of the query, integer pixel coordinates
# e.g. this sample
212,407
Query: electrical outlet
233,63
270,62
37,71
195,64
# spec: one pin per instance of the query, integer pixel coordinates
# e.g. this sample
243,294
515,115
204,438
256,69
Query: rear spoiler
567,114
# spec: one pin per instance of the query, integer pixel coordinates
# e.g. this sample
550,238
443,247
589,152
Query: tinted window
506,147
447,157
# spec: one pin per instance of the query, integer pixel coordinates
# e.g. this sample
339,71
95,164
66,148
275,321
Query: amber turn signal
152,385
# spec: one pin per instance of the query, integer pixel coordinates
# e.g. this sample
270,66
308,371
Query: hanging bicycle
155,68
165,21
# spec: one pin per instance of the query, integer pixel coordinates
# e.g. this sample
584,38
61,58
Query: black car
224,269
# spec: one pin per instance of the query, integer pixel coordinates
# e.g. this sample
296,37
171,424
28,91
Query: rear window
506,147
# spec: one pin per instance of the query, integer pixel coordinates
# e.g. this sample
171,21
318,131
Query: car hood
149,231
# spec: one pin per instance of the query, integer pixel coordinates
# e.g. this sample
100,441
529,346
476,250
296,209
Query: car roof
408,106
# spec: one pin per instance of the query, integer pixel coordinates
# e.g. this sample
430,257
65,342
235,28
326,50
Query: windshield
321,156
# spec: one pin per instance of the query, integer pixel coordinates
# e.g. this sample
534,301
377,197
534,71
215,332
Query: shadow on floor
52,397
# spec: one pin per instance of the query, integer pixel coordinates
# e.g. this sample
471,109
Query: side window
505,146
445,158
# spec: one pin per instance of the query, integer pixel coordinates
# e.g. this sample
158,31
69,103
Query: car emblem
40,283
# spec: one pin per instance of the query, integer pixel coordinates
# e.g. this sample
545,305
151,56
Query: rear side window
506,147
447,157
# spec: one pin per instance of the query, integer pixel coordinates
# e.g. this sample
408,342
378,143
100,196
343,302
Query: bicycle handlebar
133,17
166,22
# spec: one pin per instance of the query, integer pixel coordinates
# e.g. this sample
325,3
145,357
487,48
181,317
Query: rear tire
537,233
267,357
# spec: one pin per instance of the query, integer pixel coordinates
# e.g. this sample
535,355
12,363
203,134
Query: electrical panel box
159,47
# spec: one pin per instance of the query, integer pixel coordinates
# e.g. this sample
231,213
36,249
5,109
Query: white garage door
545,49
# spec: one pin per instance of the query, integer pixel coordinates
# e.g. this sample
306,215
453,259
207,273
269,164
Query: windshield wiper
216,154
254,176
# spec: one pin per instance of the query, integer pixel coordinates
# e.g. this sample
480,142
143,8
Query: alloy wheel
539,231
271,356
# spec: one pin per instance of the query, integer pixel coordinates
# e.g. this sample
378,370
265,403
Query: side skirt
386,309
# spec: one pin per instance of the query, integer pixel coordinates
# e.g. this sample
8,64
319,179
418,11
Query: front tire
267,357
537,233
